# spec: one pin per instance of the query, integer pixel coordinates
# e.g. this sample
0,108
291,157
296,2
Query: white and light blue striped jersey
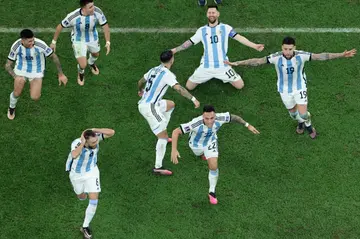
215,43
290,73
84,27
158,80
30,60
201,135
87,159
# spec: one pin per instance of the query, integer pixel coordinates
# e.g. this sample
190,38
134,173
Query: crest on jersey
227,118
103,18
66,22
48,50
12,54
187,128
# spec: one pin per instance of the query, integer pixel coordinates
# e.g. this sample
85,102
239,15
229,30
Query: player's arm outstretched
61,77
107,133
243,40
182,91
174,152
239,120
329,56
183,46
249,62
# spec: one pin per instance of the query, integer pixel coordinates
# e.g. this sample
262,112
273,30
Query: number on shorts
290,70
230,73
150,82
303,94
97,182
212,146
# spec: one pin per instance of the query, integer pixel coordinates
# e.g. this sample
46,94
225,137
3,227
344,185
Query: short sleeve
196,38
100,16
187,127
100,137
272,59
170,79
305,56
147,74
66,22
44,48
223,118
76,143
14,50
230,31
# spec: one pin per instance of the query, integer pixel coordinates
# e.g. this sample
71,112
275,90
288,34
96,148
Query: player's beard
212,22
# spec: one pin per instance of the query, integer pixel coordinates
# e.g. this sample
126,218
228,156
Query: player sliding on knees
292,85
29,54
157,111
204,142
84,36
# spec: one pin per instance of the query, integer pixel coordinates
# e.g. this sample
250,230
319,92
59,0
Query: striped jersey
30,60
84,27
215,42
158,80
87,159
290,72
201,135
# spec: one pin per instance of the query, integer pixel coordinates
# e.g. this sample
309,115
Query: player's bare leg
89,214
305,115
19,83
239,84
170,106
91,61
82,63
213,177
35,88
160,154
190,85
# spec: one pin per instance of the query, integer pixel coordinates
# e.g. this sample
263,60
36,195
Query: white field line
192,30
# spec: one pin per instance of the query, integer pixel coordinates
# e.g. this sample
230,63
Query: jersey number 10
214,39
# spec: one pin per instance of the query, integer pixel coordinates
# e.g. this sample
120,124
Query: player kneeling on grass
292,85
29,55
84,36
157,111
203,140
84,173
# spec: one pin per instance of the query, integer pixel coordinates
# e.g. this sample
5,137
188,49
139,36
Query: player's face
28,42
209,118
288,50
92,142
89,8
212,15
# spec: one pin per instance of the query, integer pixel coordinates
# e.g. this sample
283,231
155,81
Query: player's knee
170,104
83,65
238,84
304,116
35,97
82,196
189,85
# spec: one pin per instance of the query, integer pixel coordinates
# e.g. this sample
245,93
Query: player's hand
107,45
253,129
173,50
62,79
197,104
53,46
350,53
174,156
231,63
259,47
82,138
140,93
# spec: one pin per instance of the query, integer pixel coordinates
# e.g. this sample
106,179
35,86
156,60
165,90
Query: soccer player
29,54
289,65
214,37
203,140
84,36
157,111
84,173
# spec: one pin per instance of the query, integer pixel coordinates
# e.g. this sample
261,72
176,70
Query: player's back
290,72
158,80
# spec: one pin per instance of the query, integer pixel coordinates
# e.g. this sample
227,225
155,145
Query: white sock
92,59
307,119
13,100
90,212
299,119
160,152
213,177
167,115
81,71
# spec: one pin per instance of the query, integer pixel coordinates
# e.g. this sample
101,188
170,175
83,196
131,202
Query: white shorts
154,115
226,74
86,183
210,151
29,76
81,48
295,98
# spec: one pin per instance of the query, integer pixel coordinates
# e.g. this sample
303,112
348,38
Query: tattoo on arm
326,56
237,119
182,91
253,62
141,83
184,46
57,63
9,68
